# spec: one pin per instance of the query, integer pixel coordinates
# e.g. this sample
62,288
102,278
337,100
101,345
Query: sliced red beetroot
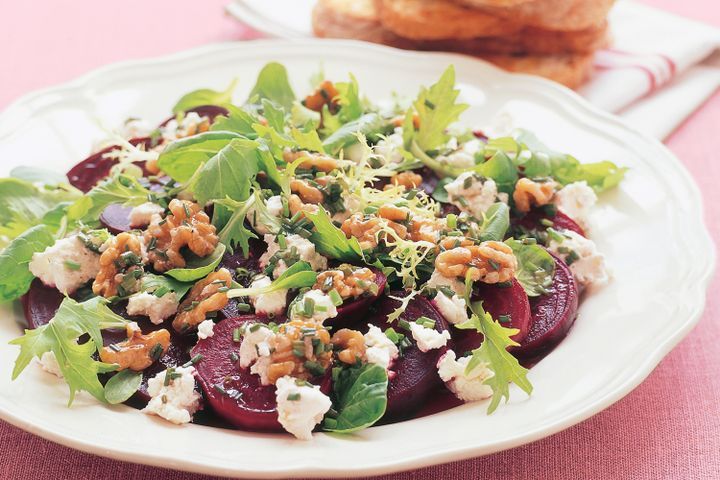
237,260
501,303
552,314
40,304
210,111
88,173
116,218
353,310
560,221
232,392
413,375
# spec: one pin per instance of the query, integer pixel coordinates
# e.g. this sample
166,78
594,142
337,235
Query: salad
301,264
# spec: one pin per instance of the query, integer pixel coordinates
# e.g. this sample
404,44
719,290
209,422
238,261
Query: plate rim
24,106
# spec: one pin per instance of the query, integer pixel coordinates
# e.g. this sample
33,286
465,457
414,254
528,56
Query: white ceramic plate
286,18
650,229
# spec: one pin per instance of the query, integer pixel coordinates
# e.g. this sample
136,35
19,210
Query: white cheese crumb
428,338
300,407
177,401
66,265
464,157
303,247
453,309
589,267
156,308
380,349
471,194
576,201
390,148
142,215
272,303
321,305
466,387
205,329
437,279
49,363
174,130
274,207
255,344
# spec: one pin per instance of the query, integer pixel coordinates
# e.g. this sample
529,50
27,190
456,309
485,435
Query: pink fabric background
668,428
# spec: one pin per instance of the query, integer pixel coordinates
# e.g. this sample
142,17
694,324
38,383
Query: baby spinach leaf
205,96
183,157
198,267
122,386
331,241
152,283
369,125
15,278
359,397
274,114
60,336
496,222
273,84
307,140
536,267
501,169
237,120
298,275
39,175
228,173
440,194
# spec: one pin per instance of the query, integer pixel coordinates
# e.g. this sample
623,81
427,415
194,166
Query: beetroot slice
413,375
116,218
234,393
88,173
235,260
351,311
210,111
497,301
532,221
40,304
552,314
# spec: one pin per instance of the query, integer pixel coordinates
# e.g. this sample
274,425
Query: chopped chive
70,265
335,297
193,361
237,335
546,222
293,397
156,352
114,347
504,318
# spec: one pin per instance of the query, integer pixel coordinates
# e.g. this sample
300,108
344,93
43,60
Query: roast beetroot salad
324,263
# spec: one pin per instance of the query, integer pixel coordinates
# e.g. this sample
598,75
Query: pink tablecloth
669,428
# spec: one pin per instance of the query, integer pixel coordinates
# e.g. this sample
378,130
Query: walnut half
139,351
207,295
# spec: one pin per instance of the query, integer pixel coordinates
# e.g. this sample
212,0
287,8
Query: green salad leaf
348,98
161,284
205,96
496,222
501,169
235,233
121,190
273,84
237,120
536,267
331,241
274,114
359,397
61,336
183,157
15,278
298,275
39,175
370,125
198,267
493,353
228,173
307,140
303,117
122,386
436,109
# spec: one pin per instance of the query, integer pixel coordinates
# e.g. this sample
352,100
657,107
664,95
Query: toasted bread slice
435,19
354,19
549,14
569,69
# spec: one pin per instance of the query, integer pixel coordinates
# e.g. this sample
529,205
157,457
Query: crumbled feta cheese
156,308
463,157
303,248
49,363
66,265
437,279
136,128
255,343
453,309
380,349
586,263
467,387
173,130
316,303
300,407
428,338
274,207
142,215
390,148
177,401
272,303
472,194
205,329
576,200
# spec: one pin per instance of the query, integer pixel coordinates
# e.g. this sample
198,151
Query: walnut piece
301,349
120,267
295,205
528,193
139,351
348,281
207,295
489,262
369,230
306,192
187,225
311,161
407,179
351,344
325,94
